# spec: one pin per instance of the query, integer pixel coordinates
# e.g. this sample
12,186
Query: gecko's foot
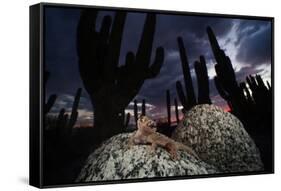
174,157
152,150
129,146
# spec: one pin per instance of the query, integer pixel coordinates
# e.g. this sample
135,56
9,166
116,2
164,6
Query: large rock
113,160
219,139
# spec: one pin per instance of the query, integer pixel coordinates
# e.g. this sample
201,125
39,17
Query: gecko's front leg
153,148
172,151
131,141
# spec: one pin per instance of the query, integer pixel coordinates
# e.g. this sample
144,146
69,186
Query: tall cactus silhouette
74,111
50,103
136,111
64,122
67,122
168,102
225,79
51,99
111,87
189,99
202,81
127,120
177,110
143,108
252,104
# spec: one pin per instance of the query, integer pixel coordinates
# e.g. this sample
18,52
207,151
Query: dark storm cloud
246,71
247,28
171,26
193,32
254,43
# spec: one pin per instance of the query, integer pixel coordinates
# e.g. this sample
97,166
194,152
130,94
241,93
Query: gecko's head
145,123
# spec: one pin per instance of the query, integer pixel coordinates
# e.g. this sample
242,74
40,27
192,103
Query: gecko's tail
188,150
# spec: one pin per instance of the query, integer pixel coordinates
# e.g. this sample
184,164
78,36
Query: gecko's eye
150,123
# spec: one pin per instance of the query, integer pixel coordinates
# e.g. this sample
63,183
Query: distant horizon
246,42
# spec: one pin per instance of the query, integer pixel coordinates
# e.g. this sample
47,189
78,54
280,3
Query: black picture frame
37,92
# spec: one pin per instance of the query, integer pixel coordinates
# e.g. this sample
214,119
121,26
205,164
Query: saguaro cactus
136,111
168,101
61,121
127,120
253,109
112,87
51,99
74,112
225,80
143,107
64,123
202,81
176,110
189,99
50,103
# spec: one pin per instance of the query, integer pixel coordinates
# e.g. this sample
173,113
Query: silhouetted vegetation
250,101
136,112
111,87
143,110
64,123
188,99
127,120
168,101
65,147
176,110
51,99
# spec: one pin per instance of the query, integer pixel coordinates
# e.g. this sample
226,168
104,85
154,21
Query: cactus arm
50,103
220,89
87,39
60,121
176,110
224,69
168,101
202,81
145,46
154,69
186,73
74,111
214,43
114,45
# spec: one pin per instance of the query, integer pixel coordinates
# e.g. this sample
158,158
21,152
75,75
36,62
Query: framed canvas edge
42,5
172,12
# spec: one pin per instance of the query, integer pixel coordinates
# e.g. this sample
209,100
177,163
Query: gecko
146,134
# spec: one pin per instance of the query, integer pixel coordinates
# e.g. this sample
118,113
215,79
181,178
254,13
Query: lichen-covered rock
113,160
219,139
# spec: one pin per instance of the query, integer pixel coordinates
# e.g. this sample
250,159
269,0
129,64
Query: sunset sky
246,42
